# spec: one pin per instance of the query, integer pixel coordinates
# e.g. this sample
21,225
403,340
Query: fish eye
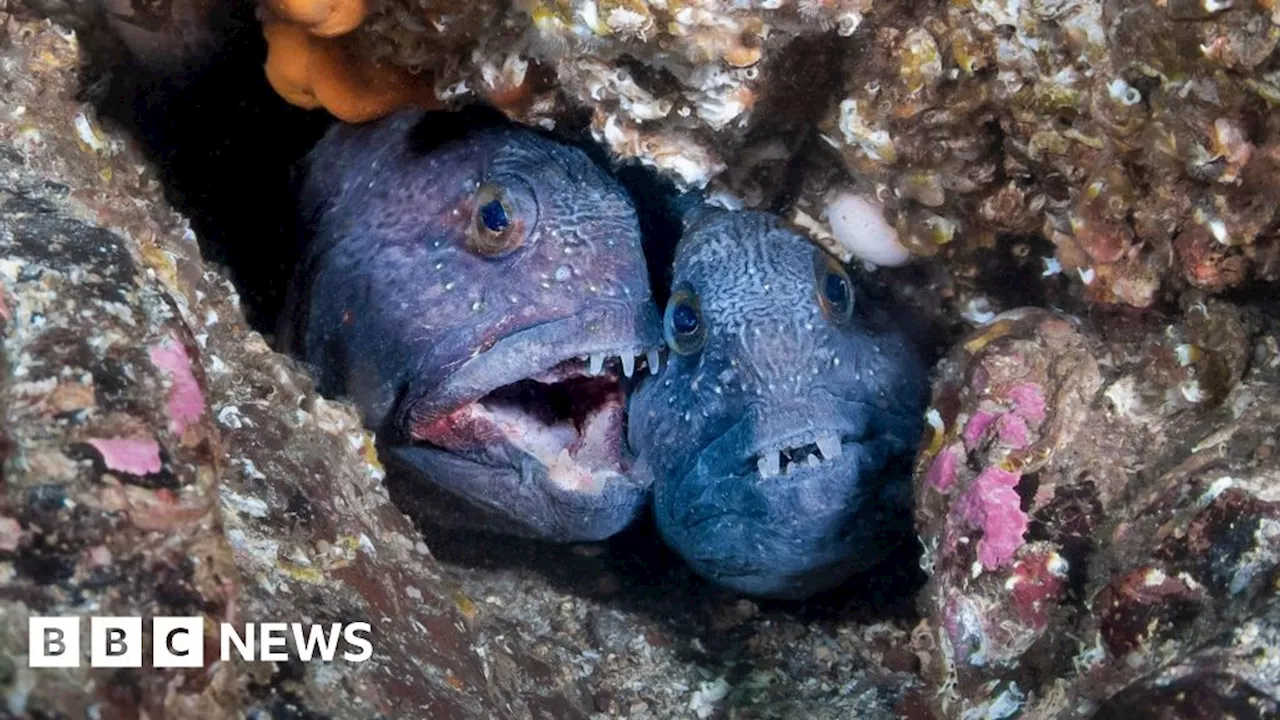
684,319
494,216
683,325
835,289
493,232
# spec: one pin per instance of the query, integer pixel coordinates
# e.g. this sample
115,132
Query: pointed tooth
812,461
829,446
769,464
596,364
654,361
628,364
762,467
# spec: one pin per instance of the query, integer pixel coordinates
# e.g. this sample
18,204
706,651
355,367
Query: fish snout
603,333
787,533
788,502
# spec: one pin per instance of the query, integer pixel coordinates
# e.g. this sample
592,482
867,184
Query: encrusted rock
1138,137
1100,516
1134,136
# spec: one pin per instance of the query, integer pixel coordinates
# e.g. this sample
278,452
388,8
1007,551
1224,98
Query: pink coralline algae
1008,403
976,428
135,456
993,506
186,402
1012,430
943,471
1123,561
1028,402
1013,424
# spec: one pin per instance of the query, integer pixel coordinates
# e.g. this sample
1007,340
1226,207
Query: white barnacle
1124,93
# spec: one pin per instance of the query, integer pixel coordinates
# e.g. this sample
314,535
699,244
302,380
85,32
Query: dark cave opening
225,146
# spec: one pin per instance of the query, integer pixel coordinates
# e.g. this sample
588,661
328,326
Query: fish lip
536,349
583,521
730,524
868,427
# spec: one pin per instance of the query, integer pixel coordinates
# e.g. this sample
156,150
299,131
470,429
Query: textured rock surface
636,636
1139,138
111,458
1099,507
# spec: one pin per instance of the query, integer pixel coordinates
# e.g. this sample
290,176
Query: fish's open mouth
569,418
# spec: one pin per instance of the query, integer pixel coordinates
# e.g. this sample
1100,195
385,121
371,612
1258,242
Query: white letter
273,636
53,641
352,638
230,637
315,636
177,642
115,642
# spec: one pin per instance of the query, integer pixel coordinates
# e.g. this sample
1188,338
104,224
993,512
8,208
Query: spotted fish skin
453,289
780,430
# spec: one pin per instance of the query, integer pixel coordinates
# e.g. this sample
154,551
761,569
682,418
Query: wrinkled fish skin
410,305
779,439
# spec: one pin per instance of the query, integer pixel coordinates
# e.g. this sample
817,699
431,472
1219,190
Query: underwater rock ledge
1140,138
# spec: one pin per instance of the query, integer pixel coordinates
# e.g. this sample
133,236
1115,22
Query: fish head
777,430
483,300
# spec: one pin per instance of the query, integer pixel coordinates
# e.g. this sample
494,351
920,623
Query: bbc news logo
178,642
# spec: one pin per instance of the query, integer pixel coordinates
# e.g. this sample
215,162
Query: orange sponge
313,72
323,18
